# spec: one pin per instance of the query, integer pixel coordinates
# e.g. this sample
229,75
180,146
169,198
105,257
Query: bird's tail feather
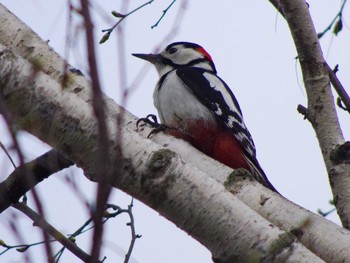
259,174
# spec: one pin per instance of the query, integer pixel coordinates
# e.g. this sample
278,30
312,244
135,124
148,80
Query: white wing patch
231,121
218,111
234,120
217,85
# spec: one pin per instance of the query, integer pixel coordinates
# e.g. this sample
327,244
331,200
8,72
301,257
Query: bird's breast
176,104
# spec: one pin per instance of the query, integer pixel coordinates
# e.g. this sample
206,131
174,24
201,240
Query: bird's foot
160,128
150,119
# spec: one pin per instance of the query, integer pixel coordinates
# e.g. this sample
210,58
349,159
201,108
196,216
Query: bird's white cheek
162,70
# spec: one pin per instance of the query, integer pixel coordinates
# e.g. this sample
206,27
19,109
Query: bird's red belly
214,141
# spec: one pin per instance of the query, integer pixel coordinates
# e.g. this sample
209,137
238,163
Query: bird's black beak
153,58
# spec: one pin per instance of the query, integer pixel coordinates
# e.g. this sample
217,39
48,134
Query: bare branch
99,106
344,97
43,224
164,13
122,17
26,176
134,236
21,247
304,111
338,19
320,99
2,146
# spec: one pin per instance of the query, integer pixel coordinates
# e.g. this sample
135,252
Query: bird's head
180,54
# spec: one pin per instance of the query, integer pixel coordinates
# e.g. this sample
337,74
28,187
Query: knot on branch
159,161
306,113
237,175
341,153
156,176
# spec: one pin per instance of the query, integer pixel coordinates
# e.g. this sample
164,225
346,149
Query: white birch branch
321,107
179,191
321,236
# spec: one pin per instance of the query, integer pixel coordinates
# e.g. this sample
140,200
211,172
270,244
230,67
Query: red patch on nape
204,52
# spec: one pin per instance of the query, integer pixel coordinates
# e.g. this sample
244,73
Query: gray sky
253,52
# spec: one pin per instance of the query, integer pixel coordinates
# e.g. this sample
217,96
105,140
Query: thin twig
84,228
337,16
46,227
164,12
170,35
325,214
2,146
21,247
131,224
122,17
103,156
134,236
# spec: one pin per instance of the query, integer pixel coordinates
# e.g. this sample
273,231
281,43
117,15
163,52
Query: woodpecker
200,108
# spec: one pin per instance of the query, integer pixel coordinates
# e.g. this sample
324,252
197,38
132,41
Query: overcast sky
255,55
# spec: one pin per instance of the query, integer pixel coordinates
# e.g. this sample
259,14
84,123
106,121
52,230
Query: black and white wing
214,93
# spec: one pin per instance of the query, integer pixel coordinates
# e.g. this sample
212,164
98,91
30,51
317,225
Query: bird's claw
150,119
160,128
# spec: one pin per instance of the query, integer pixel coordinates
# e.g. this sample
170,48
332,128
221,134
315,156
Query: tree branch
338,19
304,111
344,97
320,99
163,14
103,160
122,17
26,176
42,223
279,211
147,171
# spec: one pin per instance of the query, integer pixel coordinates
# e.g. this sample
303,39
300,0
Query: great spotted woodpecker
200,108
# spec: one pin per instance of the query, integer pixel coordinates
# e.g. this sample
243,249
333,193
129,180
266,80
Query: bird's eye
172,50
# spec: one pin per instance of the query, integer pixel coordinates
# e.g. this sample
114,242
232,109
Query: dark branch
99,106
305,112
344,97
134,236
43,224
7,154
26,176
